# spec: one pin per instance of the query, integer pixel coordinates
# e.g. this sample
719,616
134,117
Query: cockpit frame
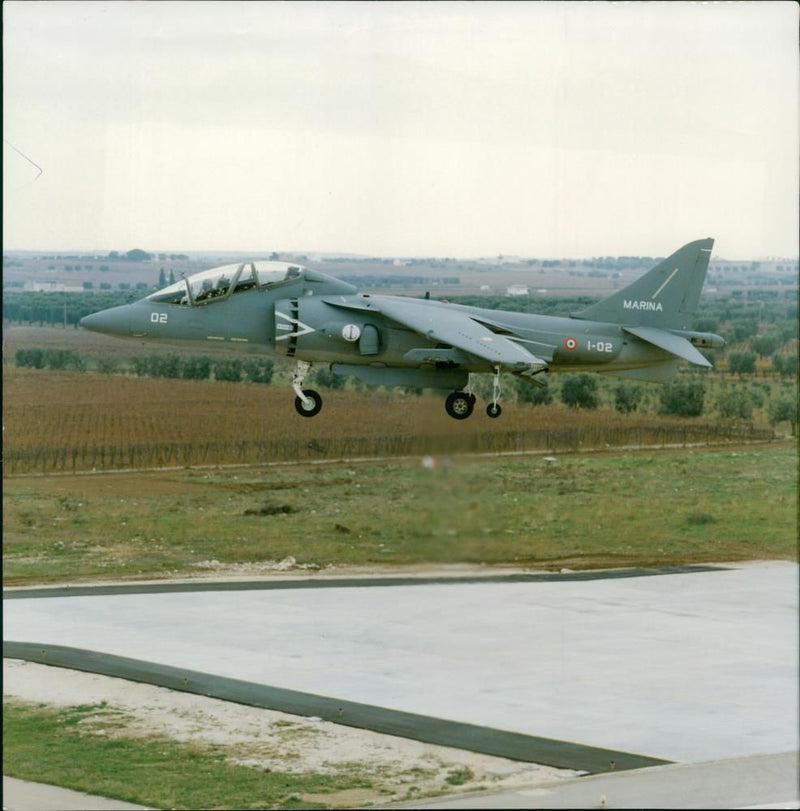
220,283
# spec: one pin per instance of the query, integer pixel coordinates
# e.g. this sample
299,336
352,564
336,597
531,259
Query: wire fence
141,455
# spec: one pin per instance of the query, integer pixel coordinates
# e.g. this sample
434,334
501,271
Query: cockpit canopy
219,283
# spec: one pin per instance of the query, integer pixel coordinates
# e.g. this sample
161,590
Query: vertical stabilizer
665,297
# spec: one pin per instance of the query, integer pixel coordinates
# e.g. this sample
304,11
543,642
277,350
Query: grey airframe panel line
516,746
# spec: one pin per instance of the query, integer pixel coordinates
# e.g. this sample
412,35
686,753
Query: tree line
692,394
169,365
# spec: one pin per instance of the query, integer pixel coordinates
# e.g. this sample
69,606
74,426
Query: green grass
584,511
72,748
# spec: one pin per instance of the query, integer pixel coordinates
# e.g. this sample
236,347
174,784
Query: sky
449,129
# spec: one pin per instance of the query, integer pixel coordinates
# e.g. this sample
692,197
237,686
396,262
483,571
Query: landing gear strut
308,402
493,409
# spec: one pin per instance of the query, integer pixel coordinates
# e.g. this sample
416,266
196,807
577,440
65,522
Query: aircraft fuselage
313,318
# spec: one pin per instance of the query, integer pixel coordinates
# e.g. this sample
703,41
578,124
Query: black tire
494,410
301,408
459,405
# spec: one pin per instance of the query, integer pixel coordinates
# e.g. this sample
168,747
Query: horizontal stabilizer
669,342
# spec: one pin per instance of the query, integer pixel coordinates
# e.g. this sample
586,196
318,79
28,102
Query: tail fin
665,297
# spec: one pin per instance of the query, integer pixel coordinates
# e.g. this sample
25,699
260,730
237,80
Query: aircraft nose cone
114,321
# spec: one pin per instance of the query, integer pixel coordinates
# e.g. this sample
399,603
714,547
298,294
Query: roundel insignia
351,332
570,343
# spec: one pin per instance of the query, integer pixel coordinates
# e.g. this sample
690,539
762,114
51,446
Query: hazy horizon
401,129
344,255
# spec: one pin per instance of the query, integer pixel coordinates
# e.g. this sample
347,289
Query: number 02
158,318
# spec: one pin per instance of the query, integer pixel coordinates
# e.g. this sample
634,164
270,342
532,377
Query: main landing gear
460,404
308,402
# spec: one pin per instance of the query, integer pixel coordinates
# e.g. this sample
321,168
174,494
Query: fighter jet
642,331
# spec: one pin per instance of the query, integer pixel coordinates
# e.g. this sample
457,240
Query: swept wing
447,325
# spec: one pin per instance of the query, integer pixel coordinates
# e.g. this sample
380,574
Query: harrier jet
643,331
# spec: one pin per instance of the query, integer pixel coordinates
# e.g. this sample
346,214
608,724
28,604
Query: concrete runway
22,795
761,781
690,666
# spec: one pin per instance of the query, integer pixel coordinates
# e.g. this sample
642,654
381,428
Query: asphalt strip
168,587
513,745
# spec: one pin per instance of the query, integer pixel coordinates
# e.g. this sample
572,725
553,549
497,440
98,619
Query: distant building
517,290
52,287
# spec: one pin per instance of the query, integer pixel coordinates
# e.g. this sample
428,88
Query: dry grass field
187,507
186,503
58,421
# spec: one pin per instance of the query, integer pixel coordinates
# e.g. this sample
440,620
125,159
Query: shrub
743,363
785,365
140,366
258,370
535,395
328,379
733,403
164,365
63,359
158,366
685,398
627,397
766,344
107,366
580,391
784,410
196,368
30,357
230,370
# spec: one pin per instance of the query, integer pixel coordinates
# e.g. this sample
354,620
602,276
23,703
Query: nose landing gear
308,402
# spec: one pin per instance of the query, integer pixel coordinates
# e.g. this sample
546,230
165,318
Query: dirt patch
399,769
